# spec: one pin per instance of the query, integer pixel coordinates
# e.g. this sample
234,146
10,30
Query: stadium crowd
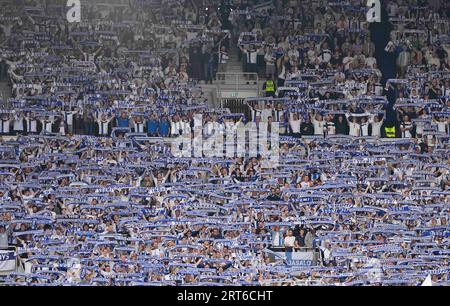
92,194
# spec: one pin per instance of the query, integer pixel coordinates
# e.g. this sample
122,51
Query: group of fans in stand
92,192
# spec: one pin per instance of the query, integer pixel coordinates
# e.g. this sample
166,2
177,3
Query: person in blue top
152,126
164,127
123,121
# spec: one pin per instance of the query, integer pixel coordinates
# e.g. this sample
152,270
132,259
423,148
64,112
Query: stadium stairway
380,35
229,90
234,65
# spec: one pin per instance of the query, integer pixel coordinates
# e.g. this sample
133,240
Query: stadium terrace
99,188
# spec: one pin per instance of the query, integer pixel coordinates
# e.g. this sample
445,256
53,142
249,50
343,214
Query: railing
279,252
236,106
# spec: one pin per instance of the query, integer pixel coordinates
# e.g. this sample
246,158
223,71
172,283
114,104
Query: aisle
380,35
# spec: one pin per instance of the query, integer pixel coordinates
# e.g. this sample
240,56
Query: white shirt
209,126
376,128
331,128
364,129
4,126
354,129
408,126
186,126
223,57
62,129
103,126
325,56
31,125
318,126
346,61
251,56
442,126
175,128
18,124
269,58
47,125
265,114
295,125
276,239
289,241
370,62
68,117
138,127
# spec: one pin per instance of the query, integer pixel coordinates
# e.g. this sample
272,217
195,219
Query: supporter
307,128
104,123
121,209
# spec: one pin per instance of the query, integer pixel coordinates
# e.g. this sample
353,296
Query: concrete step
231,66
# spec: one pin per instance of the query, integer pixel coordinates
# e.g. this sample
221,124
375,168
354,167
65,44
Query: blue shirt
123,122
164,128
152,126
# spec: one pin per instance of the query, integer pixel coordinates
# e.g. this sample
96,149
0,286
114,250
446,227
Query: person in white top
223,59
294,124
47,124
18,124
186,126
266,112
330,127
347,60
270,59
209,126
103,124
5,124
370,61
354,126
68,118
175,126
318,124
326,253
364,129
442,124
62,127
31,124
375,124
406,127
138,124
281,65
289,244
255,111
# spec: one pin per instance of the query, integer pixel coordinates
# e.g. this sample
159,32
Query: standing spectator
152,126
289,244
406,127
295,125
123,121
104,124
269,88
341,125
375,125
319,124
164,126
270,60
309,238
223,59
208,65
307,128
